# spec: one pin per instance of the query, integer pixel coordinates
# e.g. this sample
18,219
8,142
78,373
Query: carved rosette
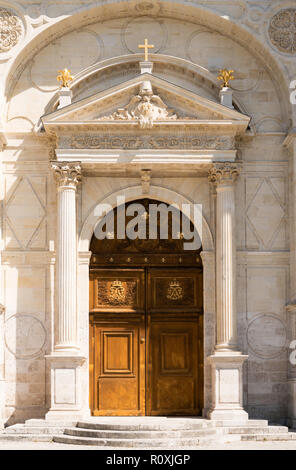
11,30
282,30
67,174
223,173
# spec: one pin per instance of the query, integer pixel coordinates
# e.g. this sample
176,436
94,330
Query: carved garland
11,29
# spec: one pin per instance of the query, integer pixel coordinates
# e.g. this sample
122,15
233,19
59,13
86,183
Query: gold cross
146,46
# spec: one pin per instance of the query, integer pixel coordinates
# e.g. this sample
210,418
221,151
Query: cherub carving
145,108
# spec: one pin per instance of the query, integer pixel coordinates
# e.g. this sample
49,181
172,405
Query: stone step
53,423
258,430
26,437
240,423
270,437
123,434
131,443
23,429
143,425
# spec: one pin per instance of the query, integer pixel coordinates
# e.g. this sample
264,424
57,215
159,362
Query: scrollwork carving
135,142
11,29
282,30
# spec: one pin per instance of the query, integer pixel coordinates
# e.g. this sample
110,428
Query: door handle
142,340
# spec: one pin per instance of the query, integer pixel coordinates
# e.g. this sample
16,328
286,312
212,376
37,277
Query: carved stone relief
147,142
144,108
25,336
11,29
282,30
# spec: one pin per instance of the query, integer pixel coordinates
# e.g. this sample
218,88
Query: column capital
223,173
67,174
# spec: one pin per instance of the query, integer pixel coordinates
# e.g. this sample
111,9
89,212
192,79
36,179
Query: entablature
145,122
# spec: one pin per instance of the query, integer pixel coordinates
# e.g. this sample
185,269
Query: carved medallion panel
117,292
11,29
282,30
174,290
117,289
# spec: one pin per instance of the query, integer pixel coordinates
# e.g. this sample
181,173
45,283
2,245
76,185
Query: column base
63,416
227,394
66,387
234,415
66,349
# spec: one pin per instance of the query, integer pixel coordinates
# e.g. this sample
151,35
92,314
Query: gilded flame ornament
226,76
65,78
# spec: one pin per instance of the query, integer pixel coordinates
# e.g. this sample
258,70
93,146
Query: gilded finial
146,48
65,78
226,76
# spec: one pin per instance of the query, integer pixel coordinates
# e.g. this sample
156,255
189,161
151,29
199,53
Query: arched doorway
146,315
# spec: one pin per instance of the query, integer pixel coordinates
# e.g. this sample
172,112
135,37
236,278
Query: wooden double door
146,341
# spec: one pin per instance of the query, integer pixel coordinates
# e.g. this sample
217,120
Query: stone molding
224,173
68,174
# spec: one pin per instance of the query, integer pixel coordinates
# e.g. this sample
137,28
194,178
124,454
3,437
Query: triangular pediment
145,102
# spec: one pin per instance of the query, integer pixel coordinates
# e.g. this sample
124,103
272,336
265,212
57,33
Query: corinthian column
223,175
64,362
227,361
68,175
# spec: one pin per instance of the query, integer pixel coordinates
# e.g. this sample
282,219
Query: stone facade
64,151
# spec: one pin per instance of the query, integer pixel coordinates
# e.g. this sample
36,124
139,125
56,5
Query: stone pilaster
227,361
3,142
65,362
2,369
290,144
291,321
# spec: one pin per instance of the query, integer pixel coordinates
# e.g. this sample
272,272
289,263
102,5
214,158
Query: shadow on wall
27,329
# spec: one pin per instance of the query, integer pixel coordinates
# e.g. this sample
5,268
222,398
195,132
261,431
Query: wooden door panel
175,290
117,352
119,371
174,372
174,347
117,301
132,377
